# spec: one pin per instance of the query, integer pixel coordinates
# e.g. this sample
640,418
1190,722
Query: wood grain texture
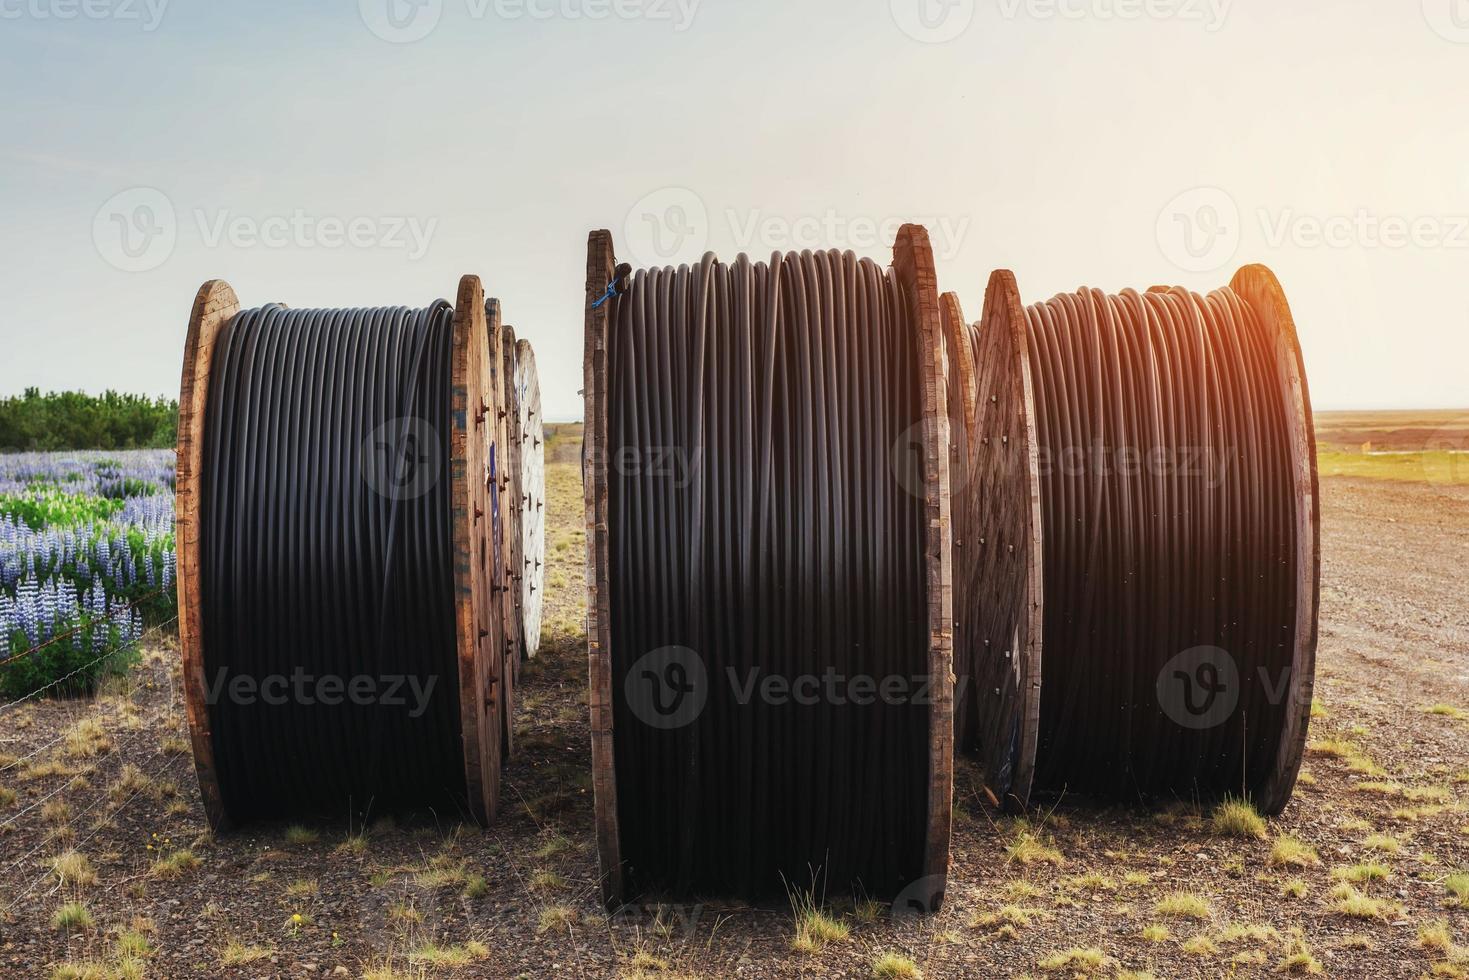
496,428
214,306
1004,605
479,622
601,264
913,262
1261,290
515,495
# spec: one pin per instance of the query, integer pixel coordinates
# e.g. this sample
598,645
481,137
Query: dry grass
1185,905
73,869
1288,852
1237,817
236,953
891,966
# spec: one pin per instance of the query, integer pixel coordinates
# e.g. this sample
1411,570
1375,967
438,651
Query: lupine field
86,564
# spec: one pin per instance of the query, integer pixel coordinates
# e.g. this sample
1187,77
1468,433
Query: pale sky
323,153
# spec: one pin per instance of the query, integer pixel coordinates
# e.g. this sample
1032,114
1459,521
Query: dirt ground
1076,891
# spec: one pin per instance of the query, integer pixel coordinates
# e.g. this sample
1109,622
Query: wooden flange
601,264
481,626
913,262
1258,287
1001,620
533,484
214,306
515,499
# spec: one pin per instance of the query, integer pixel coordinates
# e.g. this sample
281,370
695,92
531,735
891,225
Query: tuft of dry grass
449,957
1185,905
556,917
1351,903
815,927
891,966
174,865
1383,843
74,869
1457,886
301,836
86,739
1078,960
236,953
1289,852
1030,847
71,917
1237,817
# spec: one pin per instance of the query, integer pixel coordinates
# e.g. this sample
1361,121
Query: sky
370,152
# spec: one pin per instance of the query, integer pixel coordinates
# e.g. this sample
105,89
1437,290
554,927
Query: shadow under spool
1136,542
767,490
294,558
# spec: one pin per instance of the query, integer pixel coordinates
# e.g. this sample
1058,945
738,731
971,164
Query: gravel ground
519,899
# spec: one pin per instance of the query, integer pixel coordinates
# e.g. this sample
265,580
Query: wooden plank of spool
913,262
1258,287
1005,627
533,481
515,495
959,370
480,623
601,264
498,483
214,306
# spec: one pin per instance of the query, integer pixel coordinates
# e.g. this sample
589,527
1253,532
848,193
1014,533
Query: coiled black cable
327,558
758,527
1169,521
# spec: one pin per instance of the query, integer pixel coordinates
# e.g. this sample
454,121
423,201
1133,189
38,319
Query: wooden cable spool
480,692
532,463
913,269
1008,653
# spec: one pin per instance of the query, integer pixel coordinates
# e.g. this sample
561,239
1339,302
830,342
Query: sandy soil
1394,642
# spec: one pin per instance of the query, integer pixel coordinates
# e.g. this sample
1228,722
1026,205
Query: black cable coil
1185,543
758,530
327,554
